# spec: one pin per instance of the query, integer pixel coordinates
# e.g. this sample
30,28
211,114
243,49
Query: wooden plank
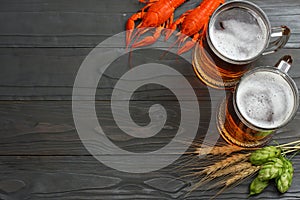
41,154
113,6
51,24
103,6
49,73
73,177
98,20
47,127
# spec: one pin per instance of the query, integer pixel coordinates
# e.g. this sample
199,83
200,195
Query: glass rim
245,5
292,85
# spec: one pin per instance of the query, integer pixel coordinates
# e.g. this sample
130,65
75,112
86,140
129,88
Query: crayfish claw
149,39
144,42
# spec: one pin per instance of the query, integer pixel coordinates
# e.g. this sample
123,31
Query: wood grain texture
82,177
47,127
49,74
42,45
51,23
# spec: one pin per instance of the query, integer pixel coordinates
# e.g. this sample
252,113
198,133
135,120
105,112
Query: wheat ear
223,172
237,178
225,163
218,150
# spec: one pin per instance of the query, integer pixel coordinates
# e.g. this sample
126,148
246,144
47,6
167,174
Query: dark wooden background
42,44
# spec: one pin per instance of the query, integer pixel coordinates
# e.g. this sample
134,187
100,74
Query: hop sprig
273,166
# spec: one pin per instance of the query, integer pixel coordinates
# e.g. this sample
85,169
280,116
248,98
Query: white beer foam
239,40
265,99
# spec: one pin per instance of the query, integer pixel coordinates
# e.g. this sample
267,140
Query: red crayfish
157,13
193,23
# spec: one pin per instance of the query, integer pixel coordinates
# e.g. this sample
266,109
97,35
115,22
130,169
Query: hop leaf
257,186
262,156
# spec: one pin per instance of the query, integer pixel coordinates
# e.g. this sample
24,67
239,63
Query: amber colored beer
238,33
234,131
264,100
215,72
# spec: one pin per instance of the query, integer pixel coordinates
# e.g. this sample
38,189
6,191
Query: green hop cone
272,169
257,186
261,156
284,181
288,165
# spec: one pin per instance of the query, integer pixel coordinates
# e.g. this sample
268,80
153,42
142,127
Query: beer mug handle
282,34
285,63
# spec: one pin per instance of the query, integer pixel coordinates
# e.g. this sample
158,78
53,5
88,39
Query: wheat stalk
231,169
218,150
236,179
224,172
213,170
225,163
242,175
195,171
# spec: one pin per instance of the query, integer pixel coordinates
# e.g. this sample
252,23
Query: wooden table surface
42,45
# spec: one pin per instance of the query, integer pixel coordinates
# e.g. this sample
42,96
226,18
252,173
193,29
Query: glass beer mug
264,100
238,33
